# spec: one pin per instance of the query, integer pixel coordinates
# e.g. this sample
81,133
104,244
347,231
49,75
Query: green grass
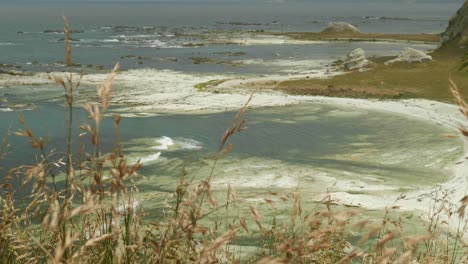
359,36
400,80
203,86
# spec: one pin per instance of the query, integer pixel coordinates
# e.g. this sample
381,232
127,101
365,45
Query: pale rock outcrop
457,29
356,60
340,27
410,55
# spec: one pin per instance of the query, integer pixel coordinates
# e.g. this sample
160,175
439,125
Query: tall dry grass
66,31
93,217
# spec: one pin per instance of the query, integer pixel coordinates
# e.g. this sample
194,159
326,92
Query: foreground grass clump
82,208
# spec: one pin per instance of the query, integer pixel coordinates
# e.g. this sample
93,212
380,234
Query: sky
246,1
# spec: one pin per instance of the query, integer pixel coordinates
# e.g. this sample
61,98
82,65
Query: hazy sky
266,1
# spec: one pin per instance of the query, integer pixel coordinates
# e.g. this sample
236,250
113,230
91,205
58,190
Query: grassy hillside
400,80
361,36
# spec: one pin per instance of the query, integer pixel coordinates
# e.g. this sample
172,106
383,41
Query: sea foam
164,143
169,144
150,158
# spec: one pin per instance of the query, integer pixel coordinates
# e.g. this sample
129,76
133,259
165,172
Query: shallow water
283,147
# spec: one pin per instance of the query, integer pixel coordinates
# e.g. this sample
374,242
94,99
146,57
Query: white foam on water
89,40
164,143
8,109
286,63
110,40
144,36
152,43
190,144
169,144
246,179
150,158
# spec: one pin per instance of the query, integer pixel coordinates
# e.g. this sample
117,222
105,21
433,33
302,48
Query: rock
71,40
356,59
457,29
61,31
170,59
192,45
410,55
15,73
340,27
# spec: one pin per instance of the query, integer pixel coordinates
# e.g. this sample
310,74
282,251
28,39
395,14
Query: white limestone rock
356,60
340,27
410,55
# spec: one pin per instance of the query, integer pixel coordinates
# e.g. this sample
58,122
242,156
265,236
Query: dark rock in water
61,31
15,73
393,18
134,57
192,45
457,29
5,65
200,60
50,31
231,53
236,23
71,39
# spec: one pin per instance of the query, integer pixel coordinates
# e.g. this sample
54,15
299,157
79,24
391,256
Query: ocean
174,35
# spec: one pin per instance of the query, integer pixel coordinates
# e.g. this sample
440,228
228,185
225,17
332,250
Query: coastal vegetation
400,80
82,205
82,208
204,86
358,36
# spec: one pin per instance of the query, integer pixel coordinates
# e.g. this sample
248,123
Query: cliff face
457,29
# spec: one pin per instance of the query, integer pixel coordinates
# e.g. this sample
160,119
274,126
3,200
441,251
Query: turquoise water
309,139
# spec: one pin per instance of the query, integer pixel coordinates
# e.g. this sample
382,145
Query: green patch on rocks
204,86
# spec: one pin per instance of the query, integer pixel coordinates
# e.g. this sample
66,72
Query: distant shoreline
425,38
